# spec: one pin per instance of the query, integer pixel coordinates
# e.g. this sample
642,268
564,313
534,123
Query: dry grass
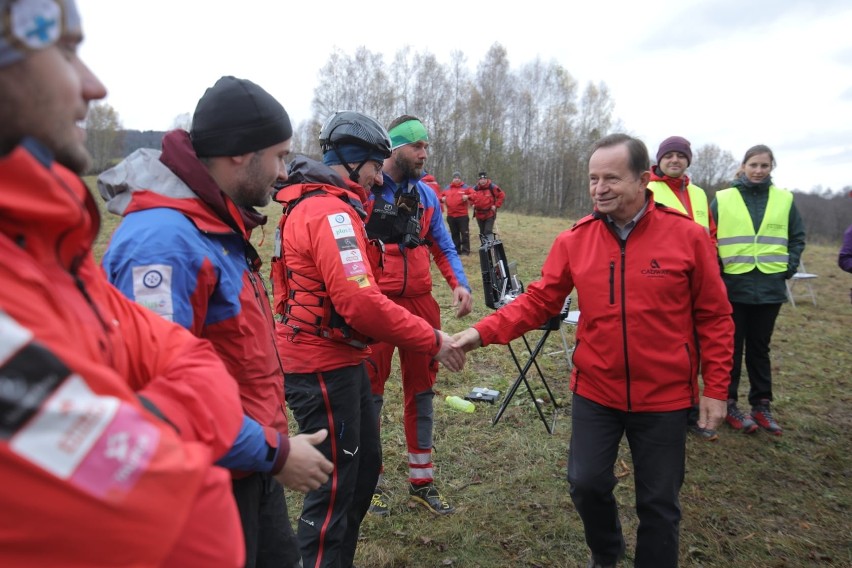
748,501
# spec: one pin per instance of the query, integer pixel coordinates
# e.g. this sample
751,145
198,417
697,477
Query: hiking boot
739,420
429,496
762,415
380,504
703,433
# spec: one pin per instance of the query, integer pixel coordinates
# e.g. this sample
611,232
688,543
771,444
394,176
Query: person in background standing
412,237
457,200
844,257
761,237
672,187
487,199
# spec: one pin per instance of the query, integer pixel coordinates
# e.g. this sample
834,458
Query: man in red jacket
456,198
646,310
111,417
487,199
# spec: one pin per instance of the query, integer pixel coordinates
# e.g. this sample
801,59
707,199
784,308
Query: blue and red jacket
189,259
407,271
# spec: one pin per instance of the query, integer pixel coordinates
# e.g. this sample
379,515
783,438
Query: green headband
408,133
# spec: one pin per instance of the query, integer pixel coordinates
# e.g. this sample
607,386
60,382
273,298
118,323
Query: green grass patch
748,501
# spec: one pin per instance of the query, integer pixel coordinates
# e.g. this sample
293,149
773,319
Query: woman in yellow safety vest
761,237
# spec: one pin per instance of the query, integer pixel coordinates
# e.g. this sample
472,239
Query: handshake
453,348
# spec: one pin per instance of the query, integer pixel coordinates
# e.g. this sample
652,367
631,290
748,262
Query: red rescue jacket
321,261
484,198
642,304
452,198
90,477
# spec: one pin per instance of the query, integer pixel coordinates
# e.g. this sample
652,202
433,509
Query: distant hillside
134,139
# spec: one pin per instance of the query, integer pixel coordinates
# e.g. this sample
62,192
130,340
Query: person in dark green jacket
761,237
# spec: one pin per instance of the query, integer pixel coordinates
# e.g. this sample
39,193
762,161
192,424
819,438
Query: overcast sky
734,73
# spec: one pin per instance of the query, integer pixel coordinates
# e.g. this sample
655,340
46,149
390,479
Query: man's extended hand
450,356
306,468
711,412
468,340
462,299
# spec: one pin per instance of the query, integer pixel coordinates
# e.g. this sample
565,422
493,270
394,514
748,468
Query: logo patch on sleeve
349,256
152,288
346,243
341,225
361,280
53,419
28,374
96,442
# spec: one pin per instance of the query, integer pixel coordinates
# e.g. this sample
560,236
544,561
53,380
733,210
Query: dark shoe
763,416
380,504
739,420
429,496
703,433
595,563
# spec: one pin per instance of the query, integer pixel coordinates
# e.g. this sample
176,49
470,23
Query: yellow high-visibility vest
700,208
740,249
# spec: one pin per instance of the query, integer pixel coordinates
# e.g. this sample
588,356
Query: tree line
530,128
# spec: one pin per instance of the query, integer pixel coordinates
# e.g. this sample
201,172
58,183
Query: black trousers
486,226
658,445
339,400
270,541
753,327
460,232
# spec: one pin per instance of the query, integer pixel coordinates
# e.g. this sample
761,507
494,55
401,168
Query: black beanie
236,117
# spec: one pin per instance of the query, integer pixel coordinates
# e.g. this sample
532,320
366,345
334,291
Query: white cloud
724,72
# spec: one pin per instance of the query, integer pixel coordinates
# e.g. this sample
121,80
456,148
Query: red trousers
419,373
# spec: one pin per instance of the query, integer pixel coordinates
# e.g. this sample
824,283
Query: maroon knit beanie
675,144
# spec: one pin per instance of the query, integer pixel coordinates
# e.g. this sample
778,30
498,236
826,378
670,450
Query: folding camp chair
804,280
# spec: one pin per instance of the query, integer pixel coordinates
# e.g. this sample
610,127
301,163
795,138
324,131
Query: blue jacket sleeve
250,451
156,258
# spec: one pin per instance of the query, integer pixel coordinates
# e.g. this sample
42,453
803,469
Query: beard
408,168
74,157
254,188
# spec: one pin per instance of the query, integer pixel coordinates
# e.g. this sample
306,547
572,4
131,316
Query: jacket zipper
612,282
106,343
623,244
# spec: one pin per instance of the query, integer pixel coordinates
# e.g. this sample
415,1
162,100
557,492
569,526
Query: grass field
748,501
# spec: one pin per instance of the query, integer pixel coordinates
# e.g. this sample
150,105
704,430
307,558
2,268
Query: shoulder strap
301,198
